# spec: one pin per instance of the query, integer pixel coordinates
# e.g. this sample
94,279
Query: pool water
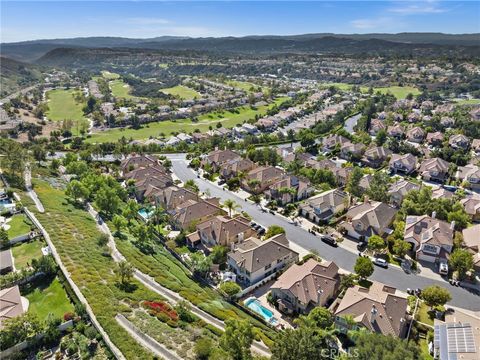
145,214
5,202
255,305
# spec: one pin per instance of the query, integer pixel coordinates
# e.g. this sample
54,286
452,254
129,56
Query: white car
443,268
380,262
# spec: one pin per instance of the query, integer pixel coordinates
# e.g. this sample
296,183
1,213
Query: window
268,266
430,248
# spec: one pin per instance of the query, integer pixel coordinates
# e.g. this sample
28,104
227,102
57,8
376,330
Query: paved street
343,257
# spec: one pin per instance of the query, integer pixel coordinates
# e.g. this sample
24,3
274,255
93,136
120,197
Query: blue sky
28,20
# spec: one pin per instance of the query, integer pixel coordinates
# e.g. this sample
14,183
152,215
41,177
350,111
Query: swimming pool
5,201
255,305
145,214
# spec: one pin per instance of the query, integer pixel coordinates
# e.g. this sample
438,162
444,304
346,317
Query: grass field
109,75
121,90
242,85
62,105
19,225
49,298
228,120
75,234
182,92
25,252
468,101
400,92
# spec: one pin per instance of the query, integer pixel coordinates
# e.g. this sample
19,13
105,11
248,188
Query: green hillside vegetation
17,75
182,92
400,92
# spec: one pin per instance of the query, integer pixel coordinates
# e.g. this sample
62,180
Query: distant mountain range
404,43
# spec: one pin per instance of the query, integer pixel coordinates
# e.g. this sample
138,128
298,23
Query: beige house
405,164
301,189
471,205
376,156
324,206
469,173
192,212
302,287
369,218
253,259
376,126
435,138
333,141
434,169
396,131
172,196
399,190
11,304
137,161
378,308
350,151
223,230
431,238
217,158
416,134
471,240
234,167
459,141
263,176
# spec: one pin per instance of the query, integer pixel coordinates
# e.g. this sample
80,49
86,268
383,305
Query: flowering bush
68,316
162,311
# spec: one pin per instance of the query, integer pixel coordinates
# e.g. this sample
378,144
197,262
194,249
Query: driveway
344,258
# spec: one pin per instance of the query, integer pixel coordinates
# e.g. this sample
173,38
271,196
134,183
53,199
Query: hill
16,75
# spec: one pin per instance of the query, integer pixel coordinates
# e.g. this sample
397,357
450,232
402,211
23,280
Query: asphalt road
345,259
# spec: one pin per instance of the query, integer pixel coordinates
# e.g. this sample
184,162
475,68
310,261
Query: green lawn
468,101
49,298
121,90
400,92
109,75
423,314
19,225
227,119
75,234
25,252
182,92
62,105
242,85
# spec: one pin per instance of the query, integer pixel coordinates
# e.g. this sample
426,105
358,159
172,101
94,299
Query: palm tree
159,215
230,205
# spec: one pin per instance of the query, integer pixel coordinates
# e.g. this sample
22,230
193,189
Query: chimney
366,199
373,313
452,225
434,214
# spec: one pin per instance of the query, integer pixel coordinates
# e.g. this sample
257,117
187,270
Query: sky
31,20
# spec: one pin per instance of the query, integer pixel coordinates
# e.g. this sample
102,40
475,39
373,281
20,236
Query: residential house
376,126
217,158
475,114
333,141
192,212
447,121
431,238
369,218
224,230
349,151
434,169
405,164
435,138
253,259
471,205
396,131
399,190
469,173
471,240
374,157
262,177
301,288
136,161
6,263
149,185
441,193
416,134
234,167
324,206
288,189
476,145
378,308
365,182
459,141
172,196
11,304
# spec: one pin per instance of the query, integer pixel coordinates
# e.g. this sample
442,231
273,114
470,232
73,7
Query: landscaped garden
18,225
75,236
228,119
182,91
24,253
49,298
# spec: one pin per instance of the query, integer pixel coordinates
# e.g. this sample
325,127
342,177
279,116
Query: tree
125,271
190,184
77,191
203,348
376,243
363,267
18,329
400,247
102,240
231,206
373,346
381,137
307,140
39,153
304,343
200,264
119,222
435,295
237,339
353,183
379,185
219,254
130,211
461,260
3,238
107,200
274,230
347,281
230,288
319,317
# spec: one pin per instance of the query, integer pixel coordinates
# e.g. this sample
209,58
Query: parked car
380,262
271,211
361,246
329,240
261,231
253,224
443,268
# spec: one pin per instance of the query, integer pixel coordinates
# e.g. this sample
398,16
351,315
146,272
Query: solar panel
452,339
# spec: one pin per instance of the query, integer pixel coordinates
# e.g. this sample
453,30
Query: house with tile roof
192,212
217,158
469,173
434,169
459,141
264,176
11,304
405,164
322,207
224,230
399,189
374,157
471,204
471,240
303,287
253,259
280,190
379,309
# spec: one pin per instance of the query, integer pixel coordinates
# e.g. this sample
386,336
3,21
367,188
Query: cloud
147,21
365,24
427,7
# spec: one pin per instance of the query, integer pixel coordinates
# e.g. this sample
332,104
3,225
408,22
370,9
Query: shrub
230,288
161,310
68,316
